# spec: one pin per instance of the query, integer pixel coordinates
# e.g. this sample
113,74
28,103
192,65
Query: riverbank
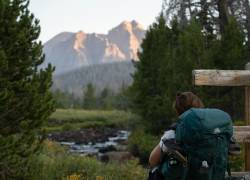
55,162
88,144
96,133
72,135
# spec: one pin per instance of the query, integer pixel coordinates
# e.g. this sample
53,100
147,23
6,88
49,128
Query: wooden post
247,119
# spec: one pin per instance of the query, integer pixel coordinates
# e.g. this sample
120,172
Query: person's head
185,101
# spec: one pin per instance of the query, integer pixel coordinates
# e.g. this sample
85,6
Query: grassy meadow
75,119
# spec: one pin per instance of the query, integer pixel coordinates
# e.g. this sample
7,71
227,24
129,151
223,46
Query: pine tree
190,54
25,99
122,99
63,99
104,100
229,53
89,99
152,78
168,56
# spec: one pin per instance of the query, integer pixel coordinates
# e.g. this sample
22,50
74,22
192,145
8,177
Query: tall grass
75,119
54,163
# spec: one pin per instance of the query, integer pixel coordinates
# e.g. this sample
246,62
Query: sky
90,16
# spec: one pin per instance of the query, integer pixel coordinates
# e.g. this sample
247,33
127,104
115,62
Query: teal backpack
204,135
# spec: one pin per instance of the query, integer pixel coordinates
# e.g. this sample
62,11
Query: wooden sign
242,133
221,77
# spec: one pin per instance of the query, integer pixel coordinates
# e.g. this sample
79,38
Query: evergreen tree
104,101
152,78
187,53
229,53
66,100
63,99
168,56
122,100
25,99
89,99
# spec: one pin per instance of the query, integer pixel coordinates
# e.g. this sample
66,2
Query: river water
113,143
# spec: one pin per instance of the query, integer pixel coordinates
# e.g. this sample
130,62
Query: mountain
69,51
114,76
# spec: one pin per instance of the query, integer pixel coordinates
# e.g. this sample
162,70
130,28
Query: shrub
237,162
67,127
54,163
141,144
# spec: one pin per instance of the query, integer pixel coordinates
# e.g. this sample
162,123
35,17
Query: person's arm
155,156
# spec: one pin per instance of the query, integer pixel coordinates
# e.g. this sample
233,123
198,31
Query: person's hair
185,101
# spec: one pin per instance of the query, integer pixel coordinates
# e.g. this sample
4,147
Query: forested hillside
113,76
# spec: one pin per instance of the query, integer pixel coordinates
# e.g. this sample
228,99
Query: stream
93,142
114,143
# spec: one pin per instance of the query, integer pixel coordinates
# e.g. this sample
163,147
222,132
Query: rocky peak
125,25
128,26
128,37
80,38
136,25
68,51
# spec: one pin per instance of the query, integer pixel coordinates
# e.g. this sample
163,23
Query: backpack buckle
204,167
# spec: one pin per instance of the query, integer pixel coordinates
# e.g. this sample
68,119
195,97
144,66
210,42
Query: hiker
196,147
